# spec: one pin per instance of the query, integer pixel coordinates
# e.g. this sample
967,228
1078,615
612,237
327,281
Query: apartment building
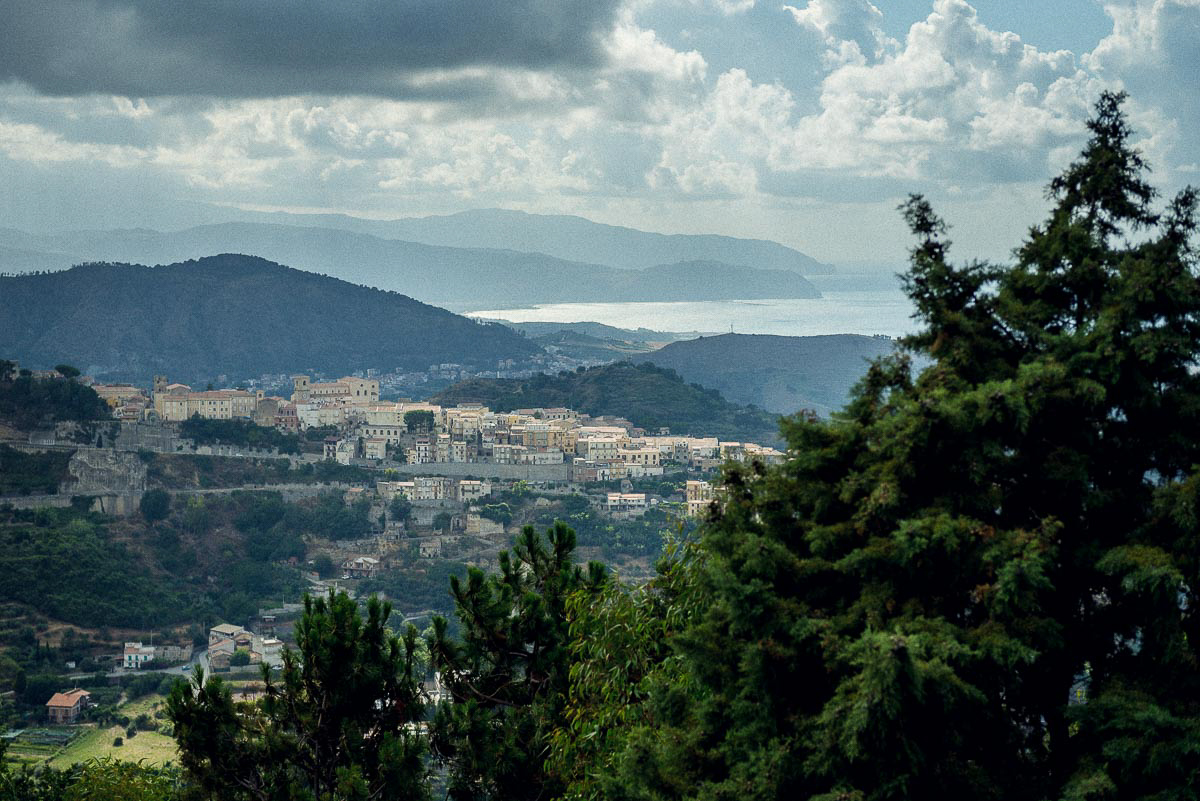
699,495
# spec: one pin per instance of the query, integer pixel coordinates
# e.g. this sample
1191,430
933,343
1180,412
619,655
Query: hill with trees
231,314
777,373
649,396
28,401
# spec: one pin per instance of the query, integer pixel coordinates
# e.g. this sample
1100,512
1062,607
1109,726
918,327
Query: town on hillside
355,493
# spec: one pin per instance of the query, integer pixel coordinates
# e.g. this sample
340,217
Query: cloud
851,29
1153,52
415,48
954,102
656,108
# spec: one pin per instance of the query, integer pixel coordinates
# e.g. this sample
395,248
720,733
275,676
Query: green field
61,746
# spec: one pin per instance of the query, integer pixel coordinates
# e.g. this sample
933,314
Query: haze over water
850,304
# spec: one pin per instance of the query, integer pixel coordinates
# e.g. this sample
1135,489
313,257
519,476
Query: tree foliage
238,432
419,421
909,606
155,505
507,676
337,725
29,402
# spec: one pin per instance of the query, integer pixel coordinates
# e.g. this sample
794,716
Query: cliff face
105,472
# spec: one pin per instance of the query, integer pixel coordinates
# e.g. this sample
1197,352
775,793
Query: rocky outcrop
105,472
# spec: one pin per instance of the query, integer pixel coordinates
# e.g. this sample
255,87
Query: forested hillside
237,315
649,396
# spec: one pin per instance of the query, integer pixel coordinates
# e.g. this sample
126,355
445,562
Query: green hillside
237,315
649,396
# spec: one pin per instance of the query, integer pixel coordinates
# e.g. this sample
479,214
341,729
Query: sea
864,303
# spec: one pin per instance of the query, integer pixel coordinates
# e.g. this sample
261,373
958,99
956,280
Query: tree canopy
507,675
980,581
337,724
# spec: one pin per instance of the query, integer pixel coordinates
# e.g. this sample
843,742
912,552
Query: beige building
137,655
347,389
626,503
177,402
699,497
117,394
471,490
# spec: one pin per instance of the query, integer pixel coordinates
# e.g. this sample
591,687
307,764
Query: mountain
781,374
459,277
649,396
239,315
565,237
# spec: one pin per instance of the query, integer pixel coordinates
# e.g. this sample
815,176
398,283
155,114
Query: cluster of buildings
136,655
371,430
598,449
225,640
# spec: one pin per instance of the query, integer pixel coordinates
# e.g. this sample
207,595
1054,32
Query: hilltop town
345,489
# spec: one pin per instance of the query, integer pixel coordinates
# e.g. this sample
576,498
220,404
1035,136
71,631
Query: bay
849,304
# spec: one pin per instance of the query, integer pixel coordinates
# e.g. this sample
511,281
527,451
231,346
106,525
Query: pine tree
507,677
980,581
340,724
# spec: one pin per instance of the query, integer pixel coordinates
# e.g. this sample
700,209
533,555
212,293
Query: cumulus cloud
851,29
554,106
1154,53
954,102
145,48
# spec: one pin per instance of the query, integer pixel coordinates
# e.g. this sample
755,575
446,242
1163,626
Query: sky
804,121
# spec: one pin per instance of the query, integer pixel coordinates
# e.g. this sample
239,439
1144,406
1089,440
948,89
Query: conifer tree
340,723
982,581
507,676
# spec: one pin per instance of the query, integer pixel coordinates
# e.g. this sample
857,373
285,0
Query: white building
137,655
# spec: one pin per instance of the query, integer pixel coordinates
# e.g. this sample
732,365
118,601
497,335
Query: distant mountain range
238,315
648,396
777,373
458,277
565,237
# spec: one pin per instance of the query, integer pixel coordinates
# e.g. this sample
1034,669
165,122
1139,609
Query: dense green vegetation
649,396
508,674
68,566
27,402
209,558
976,582
238,432
23,473
637,537
146,320
418,586
335,725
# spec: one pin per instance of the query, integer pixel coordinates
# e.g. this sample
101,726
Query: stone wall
148,437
